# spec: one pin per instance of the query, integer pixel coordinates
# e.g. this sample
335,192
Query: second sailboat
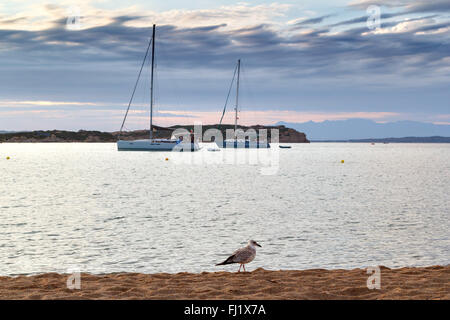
236,141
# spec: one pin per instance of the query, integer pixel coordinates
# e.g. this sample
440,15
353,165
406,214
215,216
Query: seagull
243,255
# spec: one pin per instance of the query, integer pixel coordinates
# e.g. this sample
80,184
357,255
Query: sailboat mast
237,98
151,83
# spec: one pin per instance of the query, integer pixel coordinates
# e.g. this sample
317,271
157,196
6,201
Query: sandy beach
404,283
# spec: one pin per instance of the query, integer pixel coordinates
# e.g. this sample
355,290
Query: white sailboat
152,144
236,142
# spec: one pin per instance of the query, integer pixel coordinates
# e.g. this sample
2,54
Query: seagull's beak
258,244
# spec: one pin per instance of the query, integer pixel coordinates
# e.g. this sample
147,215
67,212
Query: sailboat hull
156,145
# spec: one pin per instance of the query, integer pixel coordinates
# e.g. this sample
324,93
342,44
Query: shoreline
404,283
286,135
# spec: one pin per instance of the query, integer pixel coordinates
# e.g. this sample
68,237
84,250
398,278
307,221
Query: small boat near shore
285,147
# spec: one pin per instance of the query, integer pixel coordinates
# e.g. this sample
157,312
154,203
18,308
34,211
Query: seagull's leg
244,267
240,268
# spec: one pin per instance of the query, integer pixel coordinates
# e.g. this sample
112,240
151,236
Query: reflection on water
91,207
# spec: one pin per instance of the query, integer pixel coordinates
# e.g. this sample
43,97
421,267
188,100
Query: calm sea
89,207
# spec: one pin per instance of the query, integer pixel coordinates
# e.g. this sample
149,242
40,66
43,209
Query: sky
72,64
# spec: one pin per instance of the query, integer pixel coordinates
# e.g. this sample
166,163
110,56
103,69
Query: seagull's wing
243,254
238,256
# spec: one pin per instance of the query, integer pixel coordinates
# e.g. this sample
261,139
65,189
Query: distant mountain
367,129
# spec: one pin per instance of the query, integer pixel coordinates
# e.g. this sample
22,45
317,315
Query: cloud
417,6
316,51
44,61
139,118
313,20
40,103
272,116
41,16
363,19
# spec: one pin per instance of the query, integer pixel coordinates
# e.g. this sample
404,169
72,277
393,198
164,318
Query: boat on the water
285,147
236,142
156,145
152,144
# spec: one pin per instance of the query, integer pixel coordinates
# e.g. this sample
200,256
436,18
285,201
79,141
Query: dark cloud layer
364,19
311,63
263,46
313,20
417,6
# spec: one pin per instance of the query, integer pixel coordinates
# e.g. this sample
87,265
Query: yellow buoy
342,161
7,158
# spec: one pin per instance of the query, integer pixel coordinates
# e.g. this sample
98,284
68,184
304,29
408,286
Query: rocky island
287,135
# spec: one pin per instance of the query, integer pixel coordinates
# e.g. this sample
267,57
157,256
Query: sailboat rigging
235,142
152,144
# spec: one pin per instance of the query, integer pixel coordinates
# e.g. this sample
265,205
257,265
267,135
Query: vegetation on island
285,134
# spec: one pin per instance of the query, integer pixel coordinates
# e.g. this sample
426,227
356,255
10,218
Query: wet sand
404,283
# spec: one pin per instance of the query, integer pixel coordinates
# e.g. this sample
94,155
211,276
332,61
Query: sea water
86,206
